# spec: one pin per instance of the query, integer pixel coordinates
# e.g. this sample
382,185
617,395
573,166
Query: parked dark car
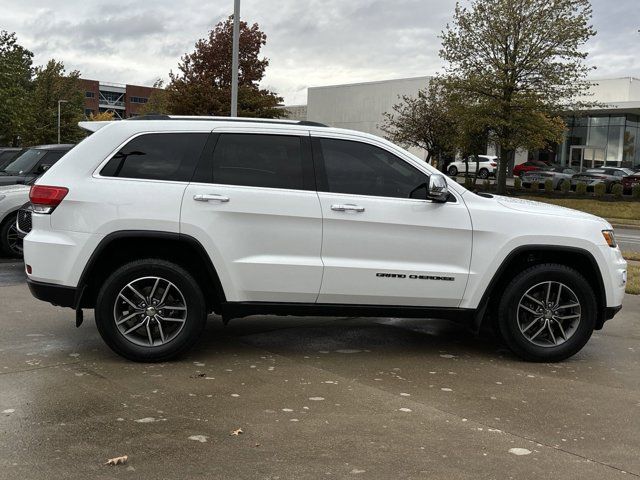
32,163
610,176
629,182
7,155
529,166
558,174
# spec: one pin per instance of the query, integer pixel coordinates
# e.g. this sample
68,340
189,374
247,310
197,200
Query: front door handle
209,197
347,207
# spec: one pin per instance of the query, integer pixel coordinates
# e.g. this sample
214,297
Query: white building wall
361,106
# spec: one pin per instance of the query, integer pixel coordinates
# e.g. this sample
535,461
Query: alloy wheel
548,314
14,242
150,311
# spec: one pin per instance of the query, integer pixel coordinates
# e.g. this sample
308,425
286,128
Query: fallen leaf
236,432
117,460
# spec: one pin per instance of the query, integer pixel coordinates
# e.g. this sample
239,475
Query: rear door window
158,156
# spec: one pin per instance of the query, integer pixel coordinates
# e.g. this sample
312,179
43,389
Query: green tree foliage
424,121
15,84
52,83
203,84
158,100
516,65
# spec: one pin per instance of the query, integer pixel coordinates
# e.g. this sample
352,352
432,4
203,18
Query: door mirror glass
438,190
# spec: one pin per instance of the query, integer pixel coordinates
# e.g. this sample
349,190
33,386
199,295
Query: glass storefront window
629,146
617,121
614,144
597,137
598,121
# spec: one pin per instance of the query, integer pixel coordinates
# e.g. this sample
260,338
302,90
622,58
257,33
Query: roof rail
156,116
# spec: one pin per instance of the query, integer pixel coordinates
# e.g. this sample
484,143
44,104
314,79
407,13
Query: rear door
254,207
383,243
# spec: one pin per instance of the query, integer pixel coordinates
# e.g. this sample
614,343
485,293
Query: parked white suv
487,165
155,223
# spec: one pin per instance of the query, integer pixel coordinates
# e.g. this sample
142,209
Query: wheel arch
526,256
120,247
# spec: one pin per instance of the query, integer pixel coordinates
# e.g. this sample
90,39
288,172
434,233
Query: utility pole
234,59
59,102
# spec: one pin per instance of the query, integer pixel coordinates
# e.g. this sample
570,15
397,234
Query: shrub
565,186
486,185
517,183
468,182
535,186
548,186
617,190
600,189
581,188
635,191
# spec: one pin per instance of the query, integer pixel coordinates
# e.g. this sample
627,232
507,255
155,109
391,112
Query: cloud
310,42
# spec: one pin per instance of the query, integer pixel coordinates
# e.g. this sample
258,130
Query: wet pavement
315,398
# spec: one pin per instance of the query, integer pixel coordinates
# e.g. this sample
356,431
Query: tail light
494,164
45,199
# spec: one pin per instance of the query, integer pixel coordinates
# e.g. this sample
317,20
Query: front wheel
483,173
150,310
547,313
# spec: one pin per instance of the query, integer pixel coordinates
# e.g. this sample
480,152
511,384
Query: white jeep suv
159,221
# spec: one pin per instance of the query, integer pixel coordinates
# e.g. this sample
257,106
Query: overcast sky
309,42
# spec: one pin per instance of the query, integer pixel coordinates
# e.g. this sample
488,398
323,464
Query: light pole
59,102
234,59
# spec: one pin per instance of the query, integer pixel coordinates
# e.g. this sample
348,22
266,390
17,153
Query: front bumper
58,295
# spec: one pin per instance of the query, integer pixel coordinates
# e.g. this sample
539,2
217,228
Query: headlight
610,238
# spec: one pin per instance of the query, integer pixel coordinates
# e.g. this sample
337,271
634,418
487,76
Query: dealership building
124,101
608,135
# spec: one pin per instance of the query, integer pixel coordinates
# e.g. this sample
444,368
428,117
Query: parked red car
630,181
529,166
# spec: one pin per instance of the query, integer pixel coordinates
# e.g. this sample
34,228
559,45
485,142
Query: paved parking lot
315,398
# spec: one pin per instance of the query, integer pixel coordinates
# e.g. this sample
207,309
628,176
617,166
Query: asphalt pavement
629,239
314,398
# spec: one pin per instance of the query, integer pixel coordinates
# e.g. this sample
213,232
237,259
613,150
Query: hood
529,206
5,189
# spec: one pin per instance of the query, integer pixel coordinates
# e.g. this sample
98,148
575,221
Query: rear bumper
58,295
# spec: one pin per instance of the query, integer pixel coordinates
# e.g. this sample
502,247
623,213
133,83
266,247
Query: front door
383,243
256,212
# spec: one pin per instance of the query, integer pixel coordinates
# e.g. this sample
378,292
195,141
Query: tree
15,84
516,65
101,116
158,100
424,121
203,84
51,84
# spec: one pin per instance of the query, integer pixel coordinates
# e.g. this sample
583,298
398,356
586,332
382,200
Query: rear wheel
452,171
483,173
10,241
547,313
150,310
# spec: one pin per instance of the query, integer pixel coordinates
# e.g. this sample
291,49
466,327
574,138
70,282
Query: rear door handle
210,197
347,207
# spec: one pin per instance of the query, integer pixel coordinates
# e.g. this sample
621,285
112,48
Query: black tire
8,243
514,292
452,171
188,290
483,173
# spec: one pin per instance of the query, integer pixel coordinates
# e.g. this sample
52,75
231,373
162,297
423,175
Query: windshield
25,162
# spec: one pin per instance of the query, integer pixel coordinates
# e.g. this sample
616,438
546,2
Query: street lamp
234,58
59,102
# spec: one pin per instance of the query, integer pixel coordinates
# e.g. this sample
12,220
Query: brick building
124,101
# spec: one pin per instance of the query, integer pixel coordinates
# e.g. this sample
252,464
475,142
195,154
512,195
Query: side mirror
437,189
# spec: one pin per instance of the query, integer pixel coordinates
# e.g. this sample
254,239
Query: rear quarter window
158,156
